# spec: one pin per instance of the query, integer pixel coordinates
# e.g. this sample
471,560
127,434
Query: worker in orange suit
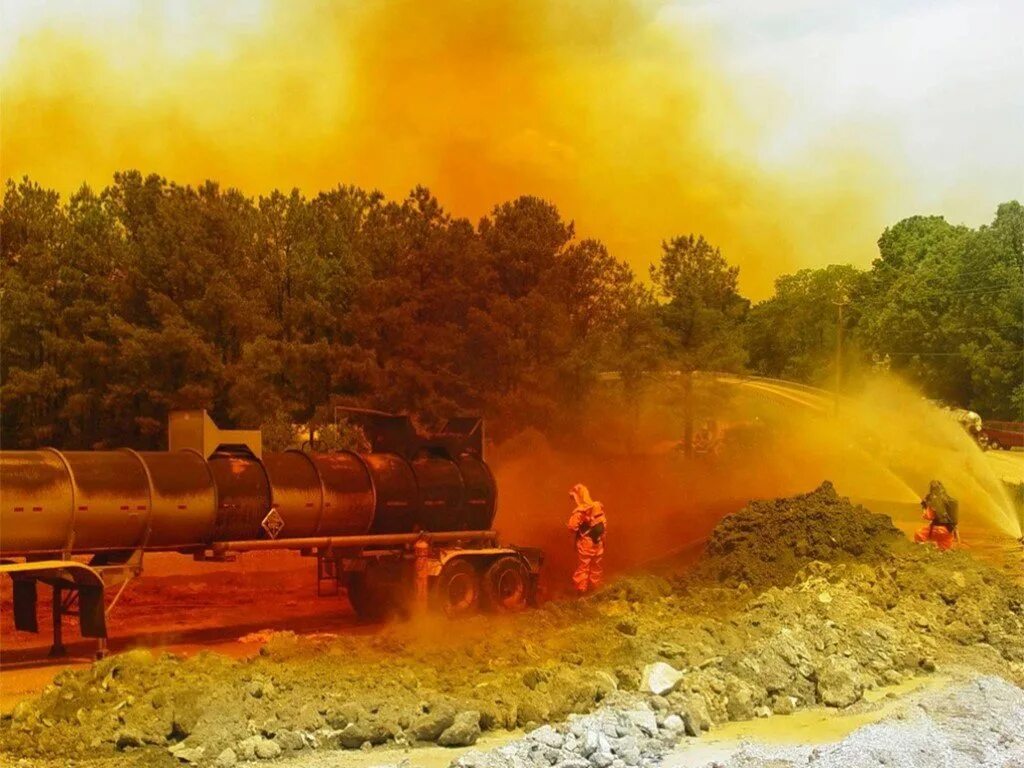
942,513
588,523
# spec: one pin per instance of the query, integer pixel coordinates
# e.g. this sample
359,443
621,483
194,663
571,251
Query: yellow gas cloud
620,120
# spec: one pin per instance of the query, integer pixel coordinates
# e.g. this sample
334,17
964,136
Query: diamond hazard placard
272,523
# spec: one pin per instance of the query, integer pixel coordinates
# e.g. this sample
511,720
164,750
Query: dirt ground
1008,465
796,603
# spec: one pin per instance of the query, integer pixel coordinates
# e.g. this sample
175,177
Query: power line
1001,289
920,353
992,270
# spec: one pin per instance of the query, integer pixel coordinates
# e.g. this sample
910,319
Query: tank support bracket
72,582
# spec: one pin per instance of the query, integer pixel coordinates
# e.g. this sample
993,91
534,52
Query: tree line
147,296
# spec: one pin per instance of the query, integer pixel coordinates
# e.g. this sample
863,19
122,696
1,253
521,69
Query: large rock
547,736
741,703
674,723
692,708
594,741
533,708
660,678
430,725
340,716
289,740
644,720
839,684
246,748
354,735
266,749
463,732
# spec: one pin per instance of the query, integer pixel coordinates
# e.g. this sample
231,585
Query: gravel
976,724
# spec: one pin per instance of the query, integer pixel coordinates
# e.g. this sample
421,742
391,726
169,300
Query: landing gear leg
57,649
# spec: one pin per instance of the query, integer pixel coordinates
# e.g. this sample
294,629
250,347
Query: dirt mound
767,542
801,601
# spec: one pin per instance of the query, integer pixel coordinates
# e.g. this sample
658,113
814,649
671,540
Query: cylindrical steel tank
481,493
243,496
323,494
184,499
295,492
396,506
79,501
91,501
349,496
111,503
36,502
441,494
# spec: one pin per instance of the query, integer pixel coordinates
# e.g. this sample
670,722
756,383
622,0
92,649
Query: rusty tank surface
78,501
81,502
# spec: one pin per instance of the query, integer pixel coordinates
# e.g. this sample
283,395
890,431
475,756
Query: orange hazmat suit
588,522
939,534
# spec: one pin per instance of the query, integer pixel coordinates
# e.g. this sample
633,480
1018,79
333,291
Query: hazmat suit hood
581,496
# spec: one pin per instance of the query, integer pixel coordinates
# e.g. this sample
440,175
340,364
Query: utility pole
843,300
688,414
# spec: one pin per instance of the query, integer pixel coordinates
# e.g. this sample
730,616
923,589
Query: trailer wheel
507,585
378,593
457,589
362,596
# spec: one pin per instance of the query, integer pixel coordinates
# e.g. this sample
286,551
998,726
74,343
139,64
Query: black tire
361,598
457,589
507,585
378,593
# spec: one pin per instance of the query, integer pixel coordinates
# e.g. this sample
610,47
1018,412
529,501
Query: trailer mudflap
25,599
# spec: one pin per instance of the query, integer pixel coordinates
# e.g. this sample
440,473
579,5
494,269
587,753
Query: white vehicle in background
971,423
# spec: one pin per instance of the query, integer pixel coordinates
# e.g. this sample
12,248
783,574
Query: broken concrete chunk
674,723
547,736
645,720
660,678
593,741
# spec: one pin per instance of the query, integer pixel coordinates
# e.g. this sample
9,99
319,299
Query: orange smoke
604,108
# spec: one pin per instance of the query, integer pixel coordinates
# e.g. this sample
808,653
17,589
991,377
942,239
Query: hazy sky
790,132
936,86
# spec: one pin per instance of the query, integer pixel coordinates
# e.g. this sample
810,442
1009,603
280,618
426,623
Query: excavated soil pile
769,541
785,610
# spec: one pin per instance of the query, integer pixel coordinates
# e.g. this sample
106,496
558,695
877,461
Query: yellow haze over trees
623,118
146,296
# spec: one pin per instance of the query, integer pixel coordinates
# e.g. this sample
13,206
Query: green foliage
943,304
340,436
792,335
149,296
281,433
122,304
947,307
703,312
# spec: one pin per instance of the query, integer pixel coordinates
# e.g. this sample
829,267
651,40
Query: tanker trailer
403,527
